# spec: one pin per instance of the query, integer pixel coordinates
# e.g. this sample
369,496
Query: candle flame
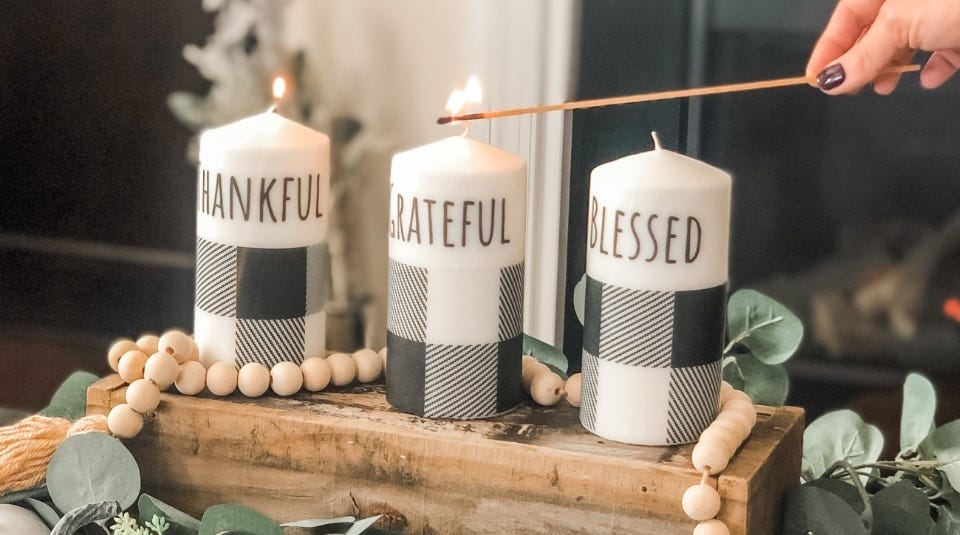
472,93
279,87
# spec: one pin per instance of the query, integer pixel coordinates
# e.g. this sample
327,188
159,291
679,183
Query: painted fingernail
831,77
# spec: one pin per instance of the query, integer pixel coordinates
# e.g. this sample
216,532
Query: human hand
864,37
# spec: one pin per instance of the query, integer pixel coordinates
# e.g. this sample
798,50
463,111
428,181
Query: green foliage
49,515
765,327
92,468
920,403
180,523
763,335
839,436
545,353
913,494
236,518
70,399
811,509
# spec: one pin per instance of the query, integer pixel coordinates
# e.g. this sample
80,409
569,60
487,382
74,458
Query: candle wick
466,128
656,140
272,109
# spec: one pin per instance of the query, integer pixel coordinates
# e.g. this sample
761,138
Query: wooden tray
534,470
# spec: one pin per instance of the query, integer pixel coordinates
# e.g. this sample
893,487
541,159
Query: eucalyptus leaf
732,373
580,297
180,523
20,495
84,515
842,489
919,407
839,435
49,515
810,509
232,517
765,327
767,384
905,496
360,526
545,353
948,521
893,520
318,522
92,468
70,399
943,445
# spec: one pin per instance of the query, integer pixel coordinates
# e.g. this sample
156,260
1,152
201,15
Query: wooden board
534,470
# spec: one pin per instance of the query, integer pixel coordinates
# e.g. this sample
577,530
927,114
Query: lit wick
279,88
471,94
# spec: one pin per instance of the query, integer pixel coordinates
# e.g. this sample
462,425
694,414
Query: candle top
458,154
660,168
264,131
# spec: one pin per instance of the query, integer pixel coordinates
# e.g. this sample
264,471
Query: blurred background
846,209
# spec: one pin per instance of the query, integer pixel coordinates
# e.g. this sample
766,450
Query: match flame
951,309
279,87
472,93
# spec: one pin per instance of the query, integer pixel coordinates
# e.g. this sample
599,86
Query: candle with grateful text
262,260
455,284
657,246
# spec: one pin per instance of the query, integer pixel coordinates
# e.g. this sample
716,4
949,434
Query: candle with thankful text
262,259
455,283
657,241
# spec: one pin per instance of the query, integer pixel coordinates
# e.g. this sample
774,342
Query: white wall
393,64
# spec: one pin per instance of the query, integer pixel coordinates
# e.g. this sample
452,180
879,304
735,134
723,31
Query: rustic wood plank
534,470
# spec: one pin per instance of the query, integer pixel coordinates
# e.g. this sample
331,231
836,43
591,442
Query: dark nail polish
831,77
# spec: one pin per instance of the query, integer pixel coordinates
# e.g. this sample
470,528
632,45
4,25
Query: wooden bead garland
713,451
174,360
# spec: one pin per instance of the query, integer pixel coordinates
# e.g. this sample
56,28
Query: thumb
863,62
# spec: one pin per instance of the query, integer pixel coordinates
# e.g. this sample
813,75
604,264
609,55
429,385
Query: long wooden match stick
648,97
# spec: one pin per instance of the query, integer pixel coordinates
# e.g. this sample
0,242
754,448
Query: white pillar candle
262,262
455,289
657,242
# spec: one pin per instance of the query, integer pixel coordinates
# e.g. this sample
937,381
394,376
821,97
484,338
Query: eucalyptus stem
867,516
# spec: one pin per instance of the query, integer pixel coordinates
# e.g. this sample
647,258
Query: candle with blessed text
455,282
657,246
262,260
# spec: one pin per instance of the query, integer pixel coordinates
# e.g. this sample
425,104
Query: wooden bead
529,369
124,422
701,502
745,408
383,357
572,388
117,349
148,343
709,456
735,394
711,527
195,352
253,379
222,378
729,439
176,344
368,364
286,379
130,366
316,373
741,419
143,396
546,388
191,378
342,369
726,392
162,369
730,426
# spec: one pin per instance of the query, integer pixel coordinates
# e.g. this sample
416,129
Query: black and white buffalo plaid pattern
677,331
264,295
454,340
